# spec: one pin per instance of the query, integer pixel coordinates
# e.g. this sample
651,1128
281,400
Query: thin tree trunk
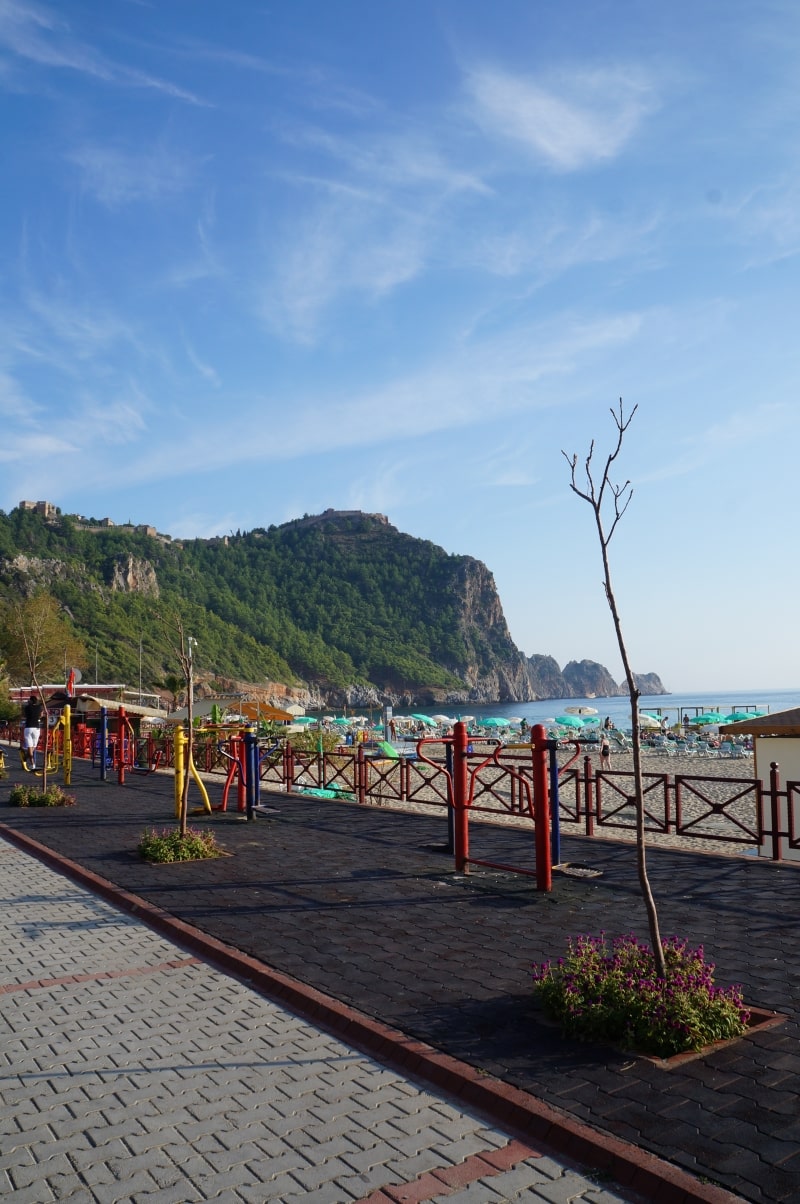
621,496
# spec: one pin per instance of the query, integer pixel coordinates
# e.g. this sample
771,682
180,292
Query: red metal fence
743,813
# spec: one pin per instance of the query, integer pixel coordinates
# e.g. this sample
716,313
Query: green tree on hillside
38,643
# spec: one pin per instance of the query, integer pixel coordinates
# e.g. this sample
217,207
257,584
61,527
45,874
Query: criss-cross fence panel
505,788
724,809
427,784
340,772
615,802
570,795
272,768
385,780
306,770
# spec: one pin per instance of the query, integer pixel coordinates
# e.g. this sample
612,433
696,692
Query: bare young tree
606,497
182,647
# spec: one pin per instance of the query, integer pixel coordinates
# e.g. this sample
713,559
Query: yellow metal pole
67,717
178,744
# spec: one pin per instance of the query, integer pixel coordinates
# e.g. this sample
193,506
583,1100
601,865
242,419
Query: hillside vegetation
341,605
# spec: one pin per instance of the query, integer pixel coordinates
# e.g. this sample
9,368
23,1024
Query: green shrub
613,994
169,845
30,796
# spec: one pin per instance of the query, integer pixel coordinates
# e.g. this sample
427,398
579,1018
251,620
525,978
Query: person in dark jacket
32,714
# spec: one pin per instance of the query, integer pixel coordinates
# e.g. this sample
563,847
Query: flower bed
31,796
612,993
168,845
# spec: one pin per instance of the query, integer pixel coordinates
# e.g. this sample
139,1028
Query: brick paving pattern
132,1072
363,904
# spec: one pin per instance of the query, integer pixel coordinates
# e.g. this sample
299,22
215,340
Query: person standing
32,714
605,752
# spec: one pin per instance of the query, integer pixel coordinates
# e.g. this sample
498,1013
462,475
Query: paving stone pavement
133,1071
362,904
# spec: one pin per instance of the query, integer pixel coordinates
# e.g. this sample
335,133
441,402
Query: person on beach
608,724
32,728
605,752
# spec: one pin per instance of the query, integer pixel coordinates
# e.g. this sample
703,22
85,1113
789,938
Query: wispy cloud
718,440
340,250
500,377
38,33
375,212
118,177
569,122
80,330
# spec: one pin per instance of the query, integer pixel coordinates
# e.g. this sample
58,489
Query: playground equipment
57,747
461,795
184,767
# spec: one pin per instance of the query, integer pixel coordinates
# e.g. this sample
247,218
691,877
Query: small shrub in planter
611,993
168,845
29,796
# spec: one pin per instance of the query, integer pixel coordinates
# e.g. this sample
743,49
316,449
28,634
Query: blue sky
259,260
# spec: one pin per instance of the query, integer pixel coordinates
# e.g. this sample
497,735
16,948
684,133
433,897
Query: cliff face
131,574
496,670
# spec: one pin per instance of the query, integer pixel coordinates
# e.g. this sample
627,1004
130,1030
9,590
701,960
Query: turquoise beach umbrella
568,721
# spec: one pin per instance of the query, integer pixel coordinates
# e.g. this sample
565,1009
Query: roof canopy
782,723
87,702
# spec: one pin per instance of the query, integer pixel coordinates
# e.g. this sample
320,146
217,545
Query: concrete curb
503,1104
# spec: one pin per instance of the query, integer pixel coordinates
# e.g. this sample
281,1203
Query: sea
673,706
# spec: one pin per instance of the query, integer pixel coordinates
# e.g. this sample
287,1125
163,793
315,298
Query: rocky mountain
338,607
583,679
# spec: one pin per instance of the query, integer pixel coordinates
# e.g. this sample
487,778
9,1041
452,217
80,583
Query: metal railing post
541,807
103,743
774,791
451,811
588,795
361,775
460,797
251,771
555,816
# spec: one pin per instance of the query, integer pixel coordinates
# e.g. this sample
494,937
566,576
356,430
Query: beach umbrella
711,717
305,719
442,719
649,721
568,721
426,719
580,710
738,716
490,721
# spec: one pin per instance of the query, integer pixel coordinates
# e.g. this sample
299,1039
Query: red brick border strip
68,980
505,1105
449,1179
